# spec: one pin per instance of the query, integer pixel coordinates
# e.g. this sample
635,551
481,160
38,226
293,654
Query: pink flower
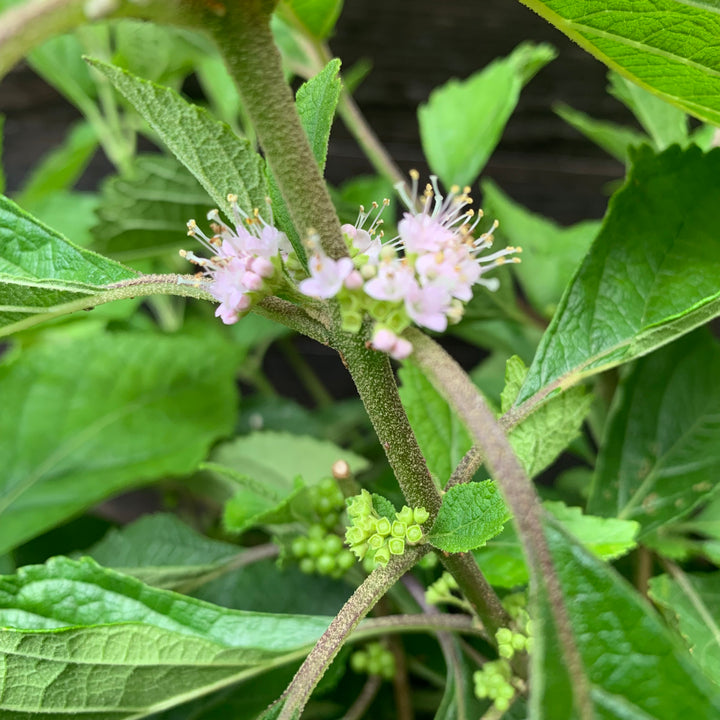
393,281
422,233
428,306
326,276
387,341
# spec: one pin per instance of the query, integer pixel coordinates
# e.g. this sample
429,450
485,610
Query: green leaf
692,604
458,701
222,162
89,416
68,212
318,17
60,168
665,46
502,560
443,439
119,649
665,123
633,663
463,120
661,454
542,436
2,168
469,516
316,101
145,213
650,276
615,139
268,471
40,270
551,253
162,551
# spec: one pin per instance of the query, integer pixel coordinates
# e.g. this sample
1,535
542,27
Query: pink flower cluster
429,269
242,259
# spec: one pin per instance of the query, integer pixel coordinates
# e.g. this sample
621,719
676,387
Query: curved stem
365,699
453,383
328,646
246,42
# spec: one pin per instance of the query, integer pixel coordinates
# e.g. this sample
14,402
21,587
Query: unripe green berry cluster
510,642
328,502
378,537
494,682
515,605
321,552
374,659
441,590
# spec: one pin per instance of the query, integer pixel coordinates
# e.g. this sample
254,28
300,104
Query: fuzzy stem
328,646
246,42
449,378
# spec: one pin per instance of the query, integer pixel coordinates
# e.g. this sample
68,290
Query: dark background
414,47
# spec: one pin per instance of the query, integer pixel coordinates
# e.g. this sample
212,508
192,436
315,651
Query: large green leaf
463,121
40,270
222,162
692,603
443,439
661,454
666,46
145,213
469,516
550,253
128,650
634,665
651,275
87,417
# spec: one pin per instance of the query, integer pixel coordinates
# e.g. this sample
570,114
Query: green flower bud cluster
374,659
510,642
322,552
494,682
515,605
328,502
441,590
378,537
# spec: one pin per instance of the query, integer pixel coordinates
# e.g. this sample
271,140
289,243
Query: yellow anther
414,175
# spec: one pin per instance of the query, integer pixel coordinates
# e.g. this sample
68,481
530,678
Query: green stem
454,384
332,640
246,42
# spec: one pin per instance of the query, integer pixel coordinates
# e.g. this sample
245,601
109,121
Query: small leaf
89,416
469,516
650,276
542,436
318,17
463,120
661,455
222,162
443,439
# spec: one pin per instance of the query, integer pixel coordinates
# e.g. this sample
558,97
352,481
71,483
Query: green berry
518,641
504,635
359,661
414,534
326,564
307,565
314,548
345,560
316,532
396,546
324,505
327,487
332,544
299,546
505,651
330,520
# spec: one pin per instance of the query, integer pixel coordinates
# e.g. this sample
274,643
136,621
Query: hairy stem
449,378
328,646
365,699
246,42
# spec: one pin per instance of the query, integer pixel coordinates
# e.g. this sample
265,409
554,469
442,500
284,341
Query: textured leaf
615,139
634,665
463,120
651,275
469,516
2,141
661,455
88,417
145,213
165,650
443,439
60,168
162,551
666,46
222,162
551,253
40,269
542,436
692,603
